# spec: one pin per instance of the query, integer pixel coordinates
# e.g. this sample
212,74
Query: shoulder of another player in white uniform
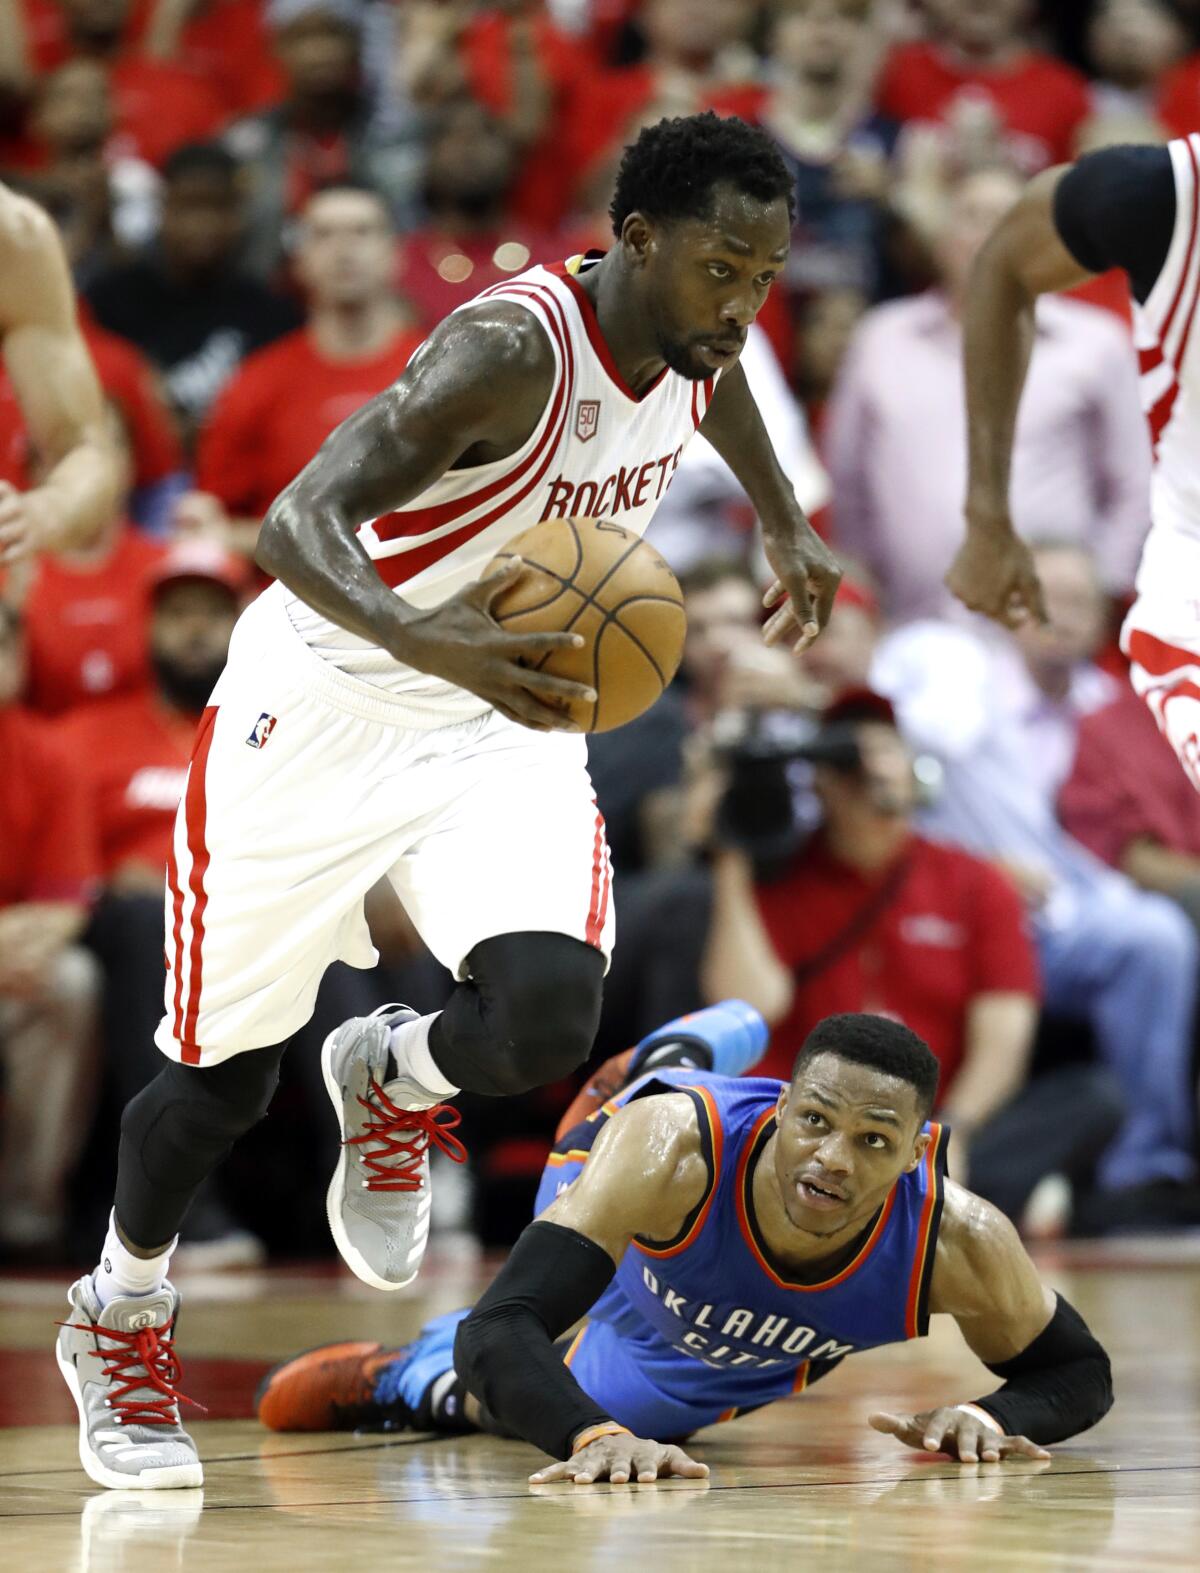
34,280
646,1172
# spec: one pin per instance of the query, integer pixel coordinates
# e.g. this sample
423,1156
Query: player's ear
920,1148
637,238
781,1101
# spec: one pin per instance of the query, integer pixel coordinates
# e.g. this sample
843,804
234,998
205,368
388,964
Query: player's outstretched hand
462,642
993,573
807,575
22,523
957,1432
622,1459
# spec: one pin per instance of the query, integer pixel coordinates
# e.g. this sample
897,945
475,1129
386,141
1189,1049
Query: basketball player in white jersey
374,721
1135,208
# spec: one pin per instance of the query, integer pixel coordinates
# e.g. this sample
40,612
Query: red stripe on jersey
1156,656
195,814
1160,413
1187,256
591,326
598,909
417,521
1149,359
403,566
1185,689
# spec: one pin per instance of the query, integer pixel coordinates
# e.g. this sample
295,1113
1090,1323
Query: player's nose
739,310
834,1154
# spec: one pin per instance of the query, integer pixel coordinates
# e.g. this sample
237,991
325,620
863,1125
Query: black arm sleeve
504,1351
1116,209
1059,1386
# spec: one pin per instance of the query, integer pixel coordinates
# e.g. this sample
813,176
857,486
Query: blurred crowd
266,205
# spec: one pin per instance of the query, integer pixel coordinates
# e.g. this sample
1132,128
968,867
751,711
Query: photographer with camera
862,913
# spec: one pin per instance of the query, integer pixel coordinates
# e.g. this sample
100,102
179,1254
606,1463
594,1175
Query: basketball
597,579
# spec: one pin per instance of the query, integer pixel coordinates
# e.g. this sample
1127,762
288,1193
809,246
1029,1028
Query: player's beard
679,354
186,687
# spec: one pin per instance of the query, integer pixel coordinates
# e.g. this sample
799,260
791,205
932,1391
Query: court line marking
677,1485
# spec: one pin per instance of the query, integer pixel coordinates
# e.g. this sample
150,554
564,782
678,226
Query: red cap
859,704
195,558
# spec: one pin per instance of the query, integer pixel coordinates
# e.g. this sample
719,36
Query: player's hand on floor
957,1432
622,1459
807,575
462,642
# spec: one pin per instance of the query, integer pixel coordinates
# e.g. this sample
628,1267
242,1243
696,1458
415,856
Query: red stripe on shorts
1156,656
195,813
176,962
598,910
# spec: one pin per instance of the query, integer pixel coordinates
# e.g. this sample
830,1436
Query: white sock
122,1273
410,1049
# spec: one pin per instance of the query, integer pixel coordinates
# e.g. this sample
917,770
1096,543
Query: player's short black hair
876,1041
201,158
670,171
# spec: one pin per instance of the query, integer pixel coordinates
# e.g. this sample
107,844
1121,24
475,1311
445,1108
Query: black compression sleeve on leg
504,1351
1060,1385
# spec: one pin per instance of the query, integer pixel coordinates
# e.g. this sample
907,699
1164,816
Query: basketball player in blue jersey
729,1241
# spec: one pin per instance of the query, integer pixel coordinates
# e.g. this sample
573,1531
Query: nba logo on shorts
261,733
587,418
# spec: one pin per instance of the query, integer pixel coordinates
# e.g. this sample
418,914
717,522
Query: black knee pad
207,1108
541,996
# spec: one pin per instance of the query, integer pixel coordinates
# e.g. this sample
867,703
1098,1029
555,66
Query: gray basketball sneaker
379,1199
120,1365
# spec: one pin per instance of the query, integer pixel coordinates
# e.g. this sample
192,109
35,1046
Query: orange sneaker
330,1388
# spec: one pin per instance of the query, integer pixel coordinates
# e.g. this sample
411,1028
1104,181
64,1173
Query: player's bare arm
1057,1379
473,393
1024,257
645,1175
807,574
56,388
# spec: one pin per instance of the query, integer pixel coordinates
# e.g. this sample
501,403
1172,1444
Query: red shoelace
142,1357
401,1138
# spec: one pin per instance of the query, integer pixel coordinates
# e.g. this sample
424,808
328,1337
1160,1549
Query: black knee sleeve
177,1130
526,1016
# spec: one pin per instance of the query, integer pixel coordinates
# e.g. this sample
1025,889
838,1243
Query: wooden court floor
804,1485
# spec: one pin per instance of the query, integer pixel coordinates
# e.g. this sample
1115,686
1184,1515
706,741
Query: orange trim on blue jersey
801,1381
924,1230
743,1217
726,1414
717,1139
575,1343
555,1160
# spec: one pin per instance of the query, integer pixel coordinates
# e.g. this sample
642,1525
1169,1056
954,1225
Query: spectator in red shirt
694,61
471,238
159,106
49,987
869,915
286,400
981,79
514,62
85,612
322,129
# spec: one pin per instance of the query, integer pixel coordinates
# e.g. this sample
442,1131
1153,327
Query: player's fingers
1021,1447
774,595
556,687
511,644
890,1425
964,1436
827,589
552,1472
935,1428
1031,595
780,625
485,591
525,712
676,1462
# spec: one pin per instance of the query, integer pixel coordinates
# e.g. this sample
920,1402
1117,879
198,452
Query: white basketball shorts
307,786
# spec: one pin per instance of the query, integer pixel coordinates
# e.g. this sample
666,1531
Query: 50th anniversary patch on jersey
587,419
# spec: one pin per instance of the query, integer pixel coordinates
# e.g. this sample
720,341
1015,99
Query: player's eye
874,1139
720,270
811,1117
765,280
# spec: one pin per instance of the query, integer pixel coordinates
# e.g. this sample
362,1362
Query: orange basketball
595,578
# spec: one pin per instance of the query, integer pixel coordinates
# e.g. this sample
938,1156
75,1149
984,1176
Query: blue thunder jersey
708,1325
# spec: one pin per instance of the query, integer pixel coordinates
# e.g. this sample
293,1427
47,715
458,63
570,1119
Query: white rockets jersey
597,450
1167,338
